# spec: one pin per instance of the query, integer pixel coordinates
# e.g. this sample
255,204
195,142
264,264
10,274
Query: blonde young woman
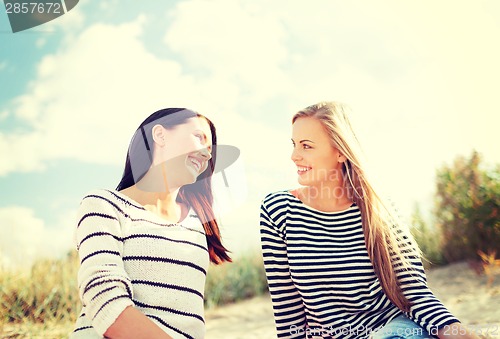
339,264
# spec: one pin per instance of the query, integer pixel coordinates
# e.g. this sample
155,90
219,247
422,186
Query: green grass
47,292
242,279
43,302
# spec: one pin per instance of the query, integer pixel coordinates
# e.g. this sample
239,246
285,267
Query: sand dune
458,286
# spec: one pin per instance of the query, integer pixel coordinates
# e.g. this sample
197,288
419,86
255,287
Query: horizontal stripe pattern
321,279
131,257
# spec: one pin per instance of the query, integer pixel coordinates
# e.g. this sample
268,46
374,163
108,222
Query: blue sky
421,79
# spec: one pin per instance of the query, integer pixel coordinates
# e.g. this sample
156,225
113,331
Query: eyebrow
301,141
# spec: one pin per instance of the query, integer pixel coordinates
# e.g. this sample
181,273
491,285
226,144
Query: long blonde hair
389,243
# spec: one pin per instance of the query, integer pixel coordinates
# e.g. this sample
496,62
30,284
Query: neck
327,196
163,204
155,181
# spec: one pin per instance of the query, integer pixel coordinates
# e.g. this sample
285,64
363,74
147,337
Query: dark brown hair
198,195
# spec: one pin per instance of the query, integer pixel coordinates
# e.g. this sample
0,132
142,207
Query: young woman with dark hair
145,247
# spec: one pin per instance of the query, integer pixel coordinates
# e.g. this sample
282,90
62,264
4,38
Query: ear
341,158
159,135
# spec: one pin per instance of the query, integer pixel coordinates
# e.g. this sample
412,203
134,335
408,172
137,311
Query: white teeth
196,163
302,169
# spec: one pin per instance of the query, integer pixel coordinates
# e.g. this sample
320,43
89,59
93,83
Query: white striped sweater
320,277
131,256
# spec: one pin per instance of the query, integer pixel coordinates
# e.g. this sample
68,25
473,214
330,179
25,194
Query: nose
205,153
295,155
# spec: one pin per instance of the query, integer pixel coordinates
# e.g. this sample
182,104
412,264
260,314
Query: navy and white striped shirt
320,277
131,256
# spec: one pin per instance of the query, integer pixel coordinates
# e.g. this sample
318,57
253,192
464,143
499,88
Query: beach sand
462,290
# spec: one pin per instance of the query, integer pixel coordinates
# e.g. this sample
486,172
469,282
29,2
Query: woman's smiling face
316,159
186,151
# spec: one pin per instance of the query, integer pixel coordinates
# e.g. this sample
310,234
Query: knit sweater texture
130,256
321,279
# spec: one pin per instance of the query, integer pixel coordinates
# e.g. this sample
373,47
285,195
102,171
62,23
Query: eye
306,146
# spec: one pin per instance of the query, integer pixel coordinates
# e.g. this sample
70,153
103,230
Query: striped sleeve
289,314
105,289
426,310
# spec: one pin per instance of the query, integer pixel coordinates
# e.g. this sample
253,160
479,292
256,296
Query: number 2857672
33,8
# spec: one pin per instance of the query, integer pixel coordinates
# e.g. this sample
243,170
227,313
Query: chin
303,182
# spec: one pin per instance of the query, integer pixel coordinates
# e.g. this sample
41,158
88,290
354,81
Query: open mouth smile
302,169
197,164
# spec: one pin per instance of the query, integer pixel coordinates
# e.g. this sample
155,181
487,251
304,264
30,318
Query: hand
132,323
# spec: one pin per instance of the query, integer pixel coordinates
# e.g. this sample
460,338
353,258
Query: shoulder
277,202
105,200
276,198
100,196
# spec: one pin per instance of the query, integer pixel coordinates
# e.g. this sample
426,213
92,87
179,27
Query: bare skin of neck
327,197
156,195
163,204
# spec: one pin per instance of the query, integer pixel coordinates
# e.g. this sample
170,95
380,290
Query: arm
427,310
132,323
289,314
105,288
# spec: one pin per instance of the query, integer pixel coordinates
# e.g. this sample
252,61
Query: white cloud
20,150
420,72
265,151
107,4
69,21
239,234
26,238
421,83
40,42
101,85
233,40
104,83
